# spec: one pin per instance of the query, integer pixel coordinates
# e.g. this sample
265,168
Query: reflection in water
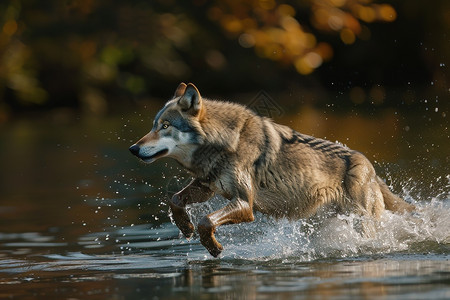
81,217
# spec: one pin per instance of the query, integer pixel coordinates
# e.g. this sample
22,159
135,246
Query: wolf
258,165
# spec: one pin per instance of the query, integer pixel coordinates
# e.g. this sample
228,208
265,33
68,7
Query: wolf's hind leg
362,187
193,193
364,194
237,211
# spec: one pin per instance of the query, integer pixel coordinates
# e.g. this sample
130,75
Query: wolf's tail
392,201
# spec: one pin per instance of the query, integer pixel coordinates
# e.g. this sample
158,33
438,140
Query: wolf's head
176,130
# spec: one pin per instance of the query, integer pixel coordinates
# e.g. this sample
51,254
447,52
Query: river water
80,218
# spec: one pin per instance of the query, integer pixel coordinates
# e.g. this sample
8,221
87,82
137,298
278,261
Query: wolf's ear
191,101
180,90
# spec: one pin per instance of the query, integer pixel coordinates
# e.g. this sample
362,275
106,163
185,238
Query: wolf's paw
206,231
211,244
216,250
187,229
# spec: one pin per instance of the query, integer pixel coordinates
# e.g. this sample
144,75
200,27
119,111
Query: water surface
81,218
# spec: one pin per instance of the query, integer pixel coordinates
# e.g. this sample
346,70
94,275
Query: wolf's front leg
194,192
237,211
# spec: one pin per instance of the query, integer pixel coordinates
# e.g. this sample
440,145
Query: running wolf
257,165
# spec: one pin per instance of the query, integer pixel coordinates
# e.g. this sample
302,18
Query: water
81,218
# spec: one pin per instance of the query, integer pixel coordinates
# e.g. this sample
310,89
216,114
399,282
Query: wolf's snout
135,149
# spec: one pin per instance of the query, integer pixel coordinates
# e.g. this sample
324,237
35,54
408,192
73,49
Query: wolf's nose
135,149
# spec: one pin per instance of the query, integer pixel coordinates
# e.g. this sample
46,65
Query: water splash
424,231
324,237
266,240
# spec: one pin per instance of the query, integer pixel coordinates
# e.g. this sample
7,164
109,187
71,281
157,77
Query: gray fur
263,166
287,169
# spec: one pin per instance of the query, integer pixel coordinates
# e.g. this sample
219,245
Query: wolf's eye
165,126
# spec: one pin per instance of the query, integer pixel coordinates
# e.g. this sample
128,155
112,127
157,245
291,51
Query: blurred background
81,80
97,57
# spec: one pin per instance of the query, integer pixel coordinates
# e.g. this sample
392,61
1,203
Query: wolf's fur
258,165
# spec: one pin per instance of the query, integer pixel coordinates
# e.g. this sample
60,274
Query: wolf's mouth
156,155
